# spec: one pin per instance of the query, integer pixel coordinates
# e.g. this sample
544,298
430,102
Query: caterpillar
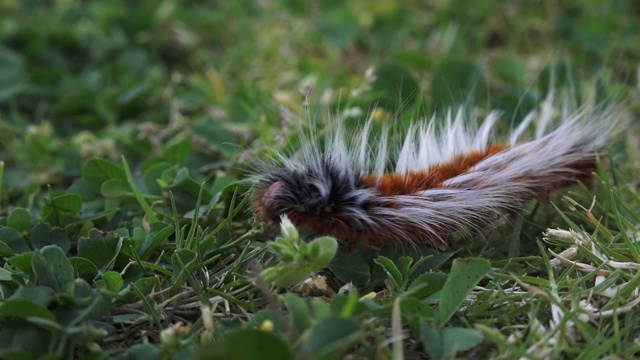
447,178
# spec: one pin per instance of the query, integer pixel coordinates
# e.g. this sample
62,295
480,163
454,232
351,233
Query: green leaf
411,306
101,248
285,275
24,341
142,352
455,340
12,238
434,282
332,336
52,268
348,306
22,261
113,281
83,268
322,250
445,343
464,276
42,235
99,306
350,268
19,219
61,208
20,308
5,250
298,312
152,174
113,188
392,271
431,259
145,285
177,152
246,344
40,295
98,170
431,341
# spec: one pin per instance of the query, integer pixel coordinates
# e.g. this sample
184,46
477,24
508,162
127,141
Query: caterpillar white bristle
446,178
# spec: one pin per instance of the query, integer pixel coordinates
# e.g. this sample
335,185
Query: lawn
128,127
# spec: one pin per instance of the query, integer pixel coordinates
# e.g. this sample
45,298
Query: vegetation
127,125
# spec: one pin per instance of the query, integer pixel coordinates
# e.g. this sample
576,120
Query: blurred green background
191,92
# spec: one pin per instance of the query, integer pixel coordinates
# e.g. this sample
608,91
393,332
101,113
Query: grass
125,232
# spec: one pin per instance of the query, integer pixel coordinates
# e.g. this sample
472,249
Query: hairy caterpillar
445,179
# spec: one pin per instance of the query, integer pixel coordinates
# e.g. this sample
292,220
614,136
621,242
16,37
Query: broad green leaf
112,281
115,188
12,238
410,306
52,268
285,275
98,170
429,283
464,276
49,325
445,343
22,261
177,152
455,340
347,306
61,208
24,340
145,285
99,306
350,268
20,308
298,312
333,336
19,219
83,268
42,235
246,344
152,174
321,251
5,275
5,250
431,341
433,261
144,351
40,295
101,248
